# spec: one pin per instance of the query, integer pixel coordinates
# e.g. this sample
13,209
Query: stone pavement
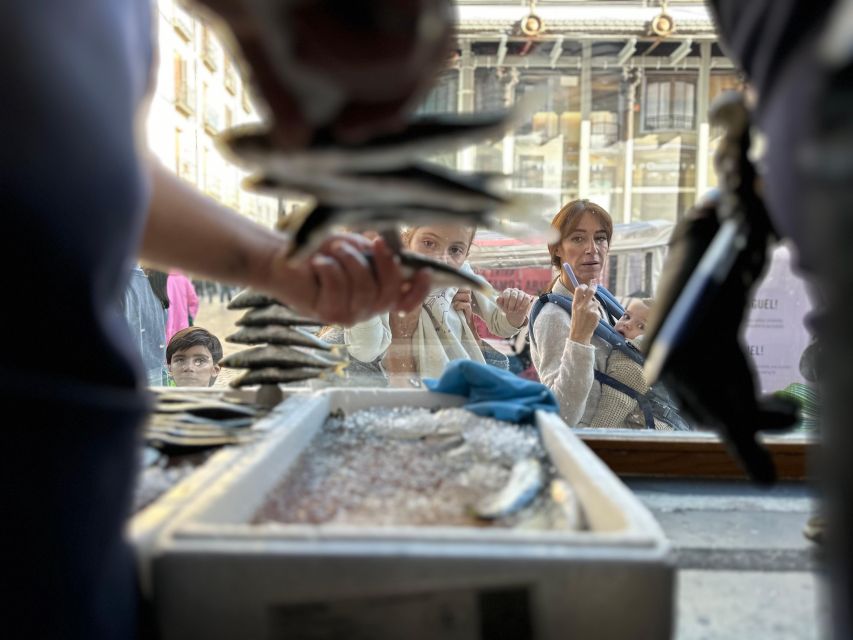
745,570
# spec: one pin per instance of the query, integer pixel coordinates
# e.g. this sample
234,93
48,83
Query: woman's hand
515,304
585,315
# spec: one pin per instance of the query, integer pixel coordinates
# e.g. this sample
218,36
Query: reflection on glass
664,171
620,124
719,82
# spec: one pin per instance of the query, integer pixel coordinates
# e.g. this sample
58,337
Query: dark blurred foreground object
350,67
340,79
718,253
798,56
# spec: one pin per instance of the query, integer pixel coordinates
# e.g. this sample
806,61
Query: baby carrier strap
640,398
604,330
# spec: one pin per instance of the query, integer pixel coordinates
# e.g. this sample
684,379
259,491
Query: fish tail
337,370
339,351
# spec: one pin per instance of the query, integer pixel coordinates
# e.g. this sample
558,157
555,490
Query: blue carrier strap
610,303
641,399
604,330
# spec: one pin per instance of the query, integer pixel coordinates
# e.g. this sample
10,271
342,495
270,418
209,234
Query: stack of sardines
286,351
384,183
183,420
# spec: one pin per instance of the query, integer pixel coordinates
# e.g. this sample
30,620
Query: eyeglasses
196,362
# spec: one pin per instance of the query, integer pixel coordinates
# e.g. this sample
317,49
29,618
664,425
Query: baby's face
633,321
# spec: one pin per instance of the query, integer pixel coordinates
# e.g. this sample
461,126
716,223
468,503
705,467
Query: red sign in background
532,280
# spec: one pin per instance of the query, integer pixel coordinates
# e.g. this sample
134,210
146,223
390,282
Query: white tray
215,576
149,522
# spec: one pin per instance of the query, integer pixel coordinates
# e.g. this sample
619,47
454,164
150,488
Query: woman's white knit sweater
566,367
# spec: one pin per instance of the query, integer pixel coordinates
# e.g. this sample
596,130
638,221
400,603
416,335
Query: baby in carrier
618,409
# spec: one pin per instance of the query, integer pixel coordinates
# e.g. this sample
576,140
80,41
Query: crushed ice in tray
165,473
407,466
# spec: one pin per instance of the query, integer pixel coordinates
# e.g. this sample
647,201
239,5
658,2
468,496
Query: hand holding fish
338,285
515,303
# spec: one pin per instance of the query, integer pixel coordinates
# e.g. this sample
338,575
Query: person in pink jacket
183,303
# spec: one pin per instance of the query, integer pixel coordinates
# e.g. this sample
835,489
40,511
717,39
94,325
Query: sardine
205,425
252,146
275,314
275,375
524,484
178,437
249,298
310,225
444,275
443,443
419,184
280,335
281,357
211,410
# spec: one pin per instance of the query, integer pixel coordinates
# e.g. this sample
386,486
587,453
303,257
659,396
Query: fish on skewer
280,356
249,298
278,335
188,420
252,145
209,410
443,275
310,225
422,184
277,375
275,314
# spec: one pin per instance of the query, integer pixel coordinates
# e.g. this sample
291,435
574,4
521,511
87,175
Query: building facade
622,119
200,92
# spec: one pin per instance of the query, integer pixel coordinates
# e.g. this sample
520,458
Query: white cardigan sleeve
565,367
370,339
486,308
494,318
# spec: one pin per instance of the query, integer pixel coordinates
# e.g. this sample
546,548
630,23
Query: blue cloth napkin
494,392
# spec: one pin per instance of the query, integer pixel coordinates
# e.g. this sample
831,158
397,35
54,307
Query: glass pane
664,159
607,146
719,82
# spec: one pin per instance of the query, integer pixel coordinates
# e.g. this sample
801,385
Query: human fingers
507,301
362,289
355,240
388,275
581,296
463,295
332,303
517,299
524,302
414,291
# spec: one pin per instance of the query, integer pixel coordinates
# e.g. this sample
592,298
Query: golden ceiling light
532,25
663,24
